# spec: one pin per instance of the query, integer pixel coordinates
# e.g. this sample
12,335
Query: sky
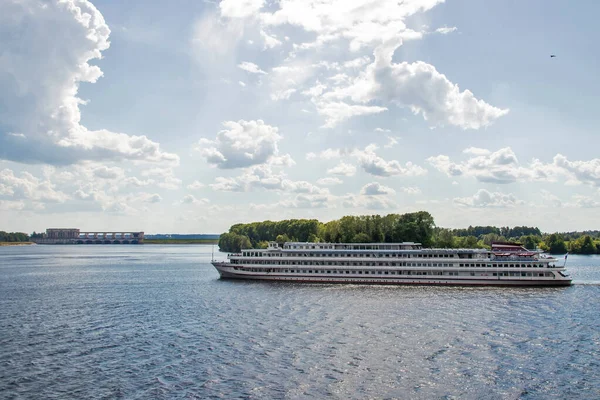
190,116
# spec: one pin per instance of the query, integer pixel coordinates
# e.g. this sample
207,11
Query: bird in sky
552,55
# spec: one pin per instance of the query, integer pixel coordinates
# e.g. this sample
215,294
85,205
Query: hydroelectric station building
75,236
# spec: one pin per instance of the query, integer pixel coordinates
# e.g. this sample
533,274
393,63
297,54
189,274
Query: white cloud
11,205
150,197
251,67
483,198
337,111
40,117
503,166
240,8
376,189
327,154
444,30
342,169
307,201
243,144
270,41
369,202
28,187
377,166
105,172
587,172
411,190
392,141
191,199
361,22
303,187
242,84
476,151
418,86
195,185
580,201
329,181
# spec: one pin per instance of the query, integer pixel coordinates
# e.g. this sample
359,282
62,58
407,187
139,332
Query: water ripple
156,322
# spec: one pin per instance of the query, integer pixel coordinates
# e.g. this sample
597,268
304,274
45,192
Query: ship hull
229,273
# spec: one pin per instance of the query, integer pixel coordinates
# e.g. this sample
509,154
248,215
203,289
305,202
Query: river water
155,321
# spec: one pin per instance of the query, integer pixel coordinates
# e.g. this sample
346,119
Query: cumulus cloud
39,81
376,189
329,181
191,199
251,67
418,86
243,144
502,166
307,201
411,190
377,166
362,23
484,198
369,202
262,177
587,172
28,187
327,154
444,30
343,169
240,8
337,111
195,185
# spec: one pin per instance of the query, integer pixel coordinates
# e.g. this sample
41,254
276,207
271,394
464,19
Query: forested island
411,227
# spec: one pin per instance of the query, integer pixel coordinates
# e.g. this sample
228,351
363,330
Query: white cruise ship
506,264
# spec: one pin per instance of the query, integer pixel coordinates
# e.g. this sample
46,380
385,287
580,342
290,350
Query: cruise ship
505,264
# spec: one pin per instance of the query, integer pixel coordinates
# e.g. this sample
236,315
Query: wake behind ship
506,264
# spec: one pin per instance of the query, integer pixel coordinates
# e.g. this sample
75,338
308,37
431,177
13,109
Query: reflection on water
156,322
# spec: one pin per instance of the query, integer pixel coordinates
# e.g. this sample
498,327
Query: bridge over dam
75,236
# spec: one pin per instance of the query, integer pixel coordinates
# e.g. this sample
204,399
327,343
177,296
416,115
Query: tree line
410,227
13,237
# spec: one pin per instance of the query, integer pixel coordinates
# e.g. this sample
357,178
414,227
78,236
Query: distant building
75,236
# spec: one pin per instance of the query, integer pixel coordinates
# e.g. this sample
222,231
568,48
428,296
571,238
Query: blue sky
192,116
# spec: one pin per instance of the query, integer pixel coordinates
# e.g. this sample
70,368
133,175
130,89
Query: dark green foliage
555,244
393,228
413,227
13,237
583,245
530,242
232,242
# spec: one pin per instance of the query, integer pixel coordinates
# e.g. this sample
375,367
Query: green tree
555,244
530,242
361,238
444,239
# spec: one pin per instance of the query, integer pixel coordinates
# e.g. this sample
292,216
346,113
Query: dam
75,236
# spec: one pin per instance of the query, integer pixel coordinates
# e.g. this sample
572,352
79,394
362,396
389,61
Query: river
155,321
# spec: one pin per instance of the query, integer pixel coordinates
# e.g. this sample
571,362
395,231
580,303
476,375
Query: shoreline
16,243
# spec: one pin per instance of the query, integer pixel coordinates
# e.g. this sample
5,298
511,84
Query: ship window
386,272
